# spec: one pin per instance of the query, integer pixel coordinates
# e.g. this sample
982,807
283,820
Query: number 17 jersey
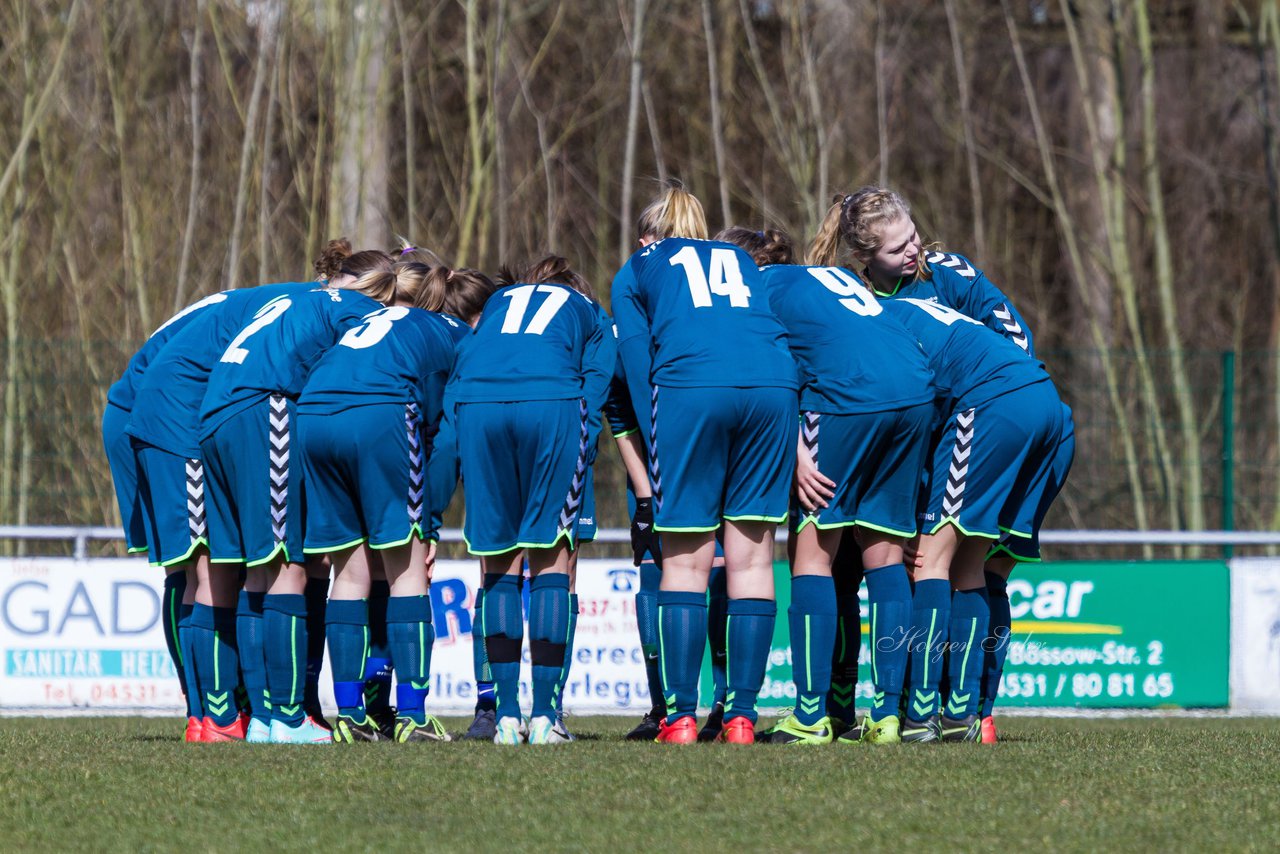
701,307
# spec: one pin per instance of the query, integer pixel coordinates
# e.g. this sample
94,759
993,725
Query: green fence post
1228,446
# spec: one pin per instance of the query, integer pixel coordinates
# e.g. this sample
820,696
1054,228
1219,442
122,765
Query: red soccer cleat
989,730
210,731
680,731
738,730
194,727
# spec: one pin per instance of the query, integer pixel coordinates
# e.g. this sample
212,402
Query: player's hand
431,559
813,488
643,537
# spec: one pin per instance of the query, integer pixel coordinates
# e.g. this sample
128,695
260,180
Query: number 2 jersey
396,355
276,351
852,356
166,411
693,314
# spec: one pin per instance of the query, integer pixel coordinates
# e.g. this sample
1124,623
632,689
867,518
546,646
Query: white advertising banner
87,635
1255,634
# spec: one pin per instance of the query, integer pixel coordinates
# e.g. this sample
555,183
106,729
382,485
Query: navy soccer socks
503,636
889,601
213,637
848,644
970,622
812,620
647,624
930,621
717,640
377,667
996,646
485,697
411,637
749,634
347,631
285,624
249,643
682,634
548,637
558,699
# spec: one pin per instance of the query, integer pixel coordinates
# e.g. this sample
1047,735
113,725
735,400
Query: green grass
128,783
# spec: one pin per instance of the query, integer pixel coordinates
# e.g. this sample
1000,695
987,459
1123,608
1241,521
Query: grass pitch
1062,784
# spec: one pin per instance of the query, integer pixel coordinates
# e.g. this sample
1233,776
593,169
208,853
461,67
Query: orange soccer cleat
194,727
210,731
989,730
738,730
680,731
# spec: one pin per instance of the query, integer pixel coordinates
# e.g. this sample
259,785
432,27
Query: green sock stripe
364,653
875,672
662,660
840,623
422,648
217,669
293,653
928,649
728,661
808,656
173,621
964,660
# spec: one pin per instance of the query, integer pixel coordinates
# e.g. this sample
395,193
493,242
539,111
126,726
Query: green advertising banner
1084,634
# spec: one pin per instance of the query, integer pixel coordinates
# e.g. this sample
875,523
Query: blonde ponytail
675,213
824,249
377,284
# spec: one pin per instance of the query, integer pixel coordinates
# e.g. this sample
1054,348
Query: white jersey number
375,326
520,297
857,298
724,279
265,316
946,314
212,299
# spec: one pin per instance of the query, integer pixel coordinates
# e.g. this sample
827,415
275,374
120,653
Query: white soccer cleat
509,731
545,730
307,732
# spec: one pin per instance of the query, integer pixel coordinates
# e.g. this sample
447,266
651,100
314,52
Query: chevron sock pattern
412,425
279,454
197,524
175,584
347,631
970,622
504,634
996,646
568,522
647,623
317,593
1012,328
717,640
480,657
249,644
655,471
377,667
412,636
682,633
558,699
848,643
195,702
548,637
812,619
749,630
889,600
930,619
958,472
285,624
213,635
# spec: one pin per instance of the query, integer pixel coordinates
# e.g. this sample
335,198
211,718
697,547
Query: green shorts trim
186,556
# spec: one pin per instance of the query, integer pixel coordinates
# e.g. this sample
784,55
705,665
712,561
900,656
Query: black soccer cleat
968,728
647,729
714,724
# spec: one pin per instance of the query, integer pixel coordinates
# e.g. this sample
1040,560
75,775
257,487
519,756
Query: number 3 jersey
699,310
276,351
852,356
395,355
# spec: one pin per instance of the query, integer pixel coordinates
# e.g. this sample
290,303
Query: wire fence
1136,469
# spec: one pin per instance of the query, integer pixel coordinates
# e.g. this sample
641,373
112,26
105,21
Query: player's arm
442,467
982,300
599,357
633,338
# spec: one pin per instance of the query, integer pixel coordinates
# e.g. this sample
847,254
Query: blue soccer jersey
396,355
971,364
852,356
693,314
275,352
538,342
955,282
124,390
166,413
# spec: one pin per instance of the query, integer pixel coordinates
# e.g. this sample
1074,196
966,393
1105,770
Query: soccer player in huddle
525,397
866,414
707,360
1002,455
